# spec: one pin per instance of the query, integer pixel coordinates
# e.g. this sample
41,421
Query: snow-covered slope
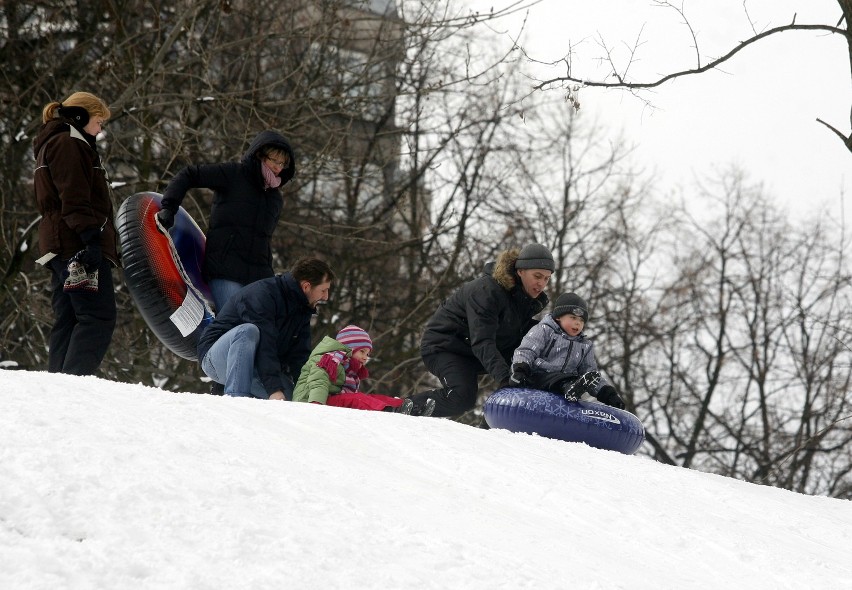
110,485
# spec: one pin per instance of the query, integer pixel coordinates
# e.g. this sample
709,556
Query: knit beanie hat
570,303
535,256
354,337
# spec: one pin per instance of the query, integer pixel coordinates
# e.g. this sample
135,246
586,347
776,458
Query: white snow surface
120,486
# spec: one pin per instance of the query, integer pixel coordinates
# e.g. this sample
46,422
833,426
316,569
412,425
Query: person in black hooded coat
477,329
247,204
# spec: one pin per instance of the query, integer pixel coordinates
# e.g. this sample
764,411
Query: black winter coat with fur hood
485,319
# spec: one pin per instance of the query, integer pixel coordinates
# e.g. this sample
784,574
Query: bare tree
755,380
618,74
370,99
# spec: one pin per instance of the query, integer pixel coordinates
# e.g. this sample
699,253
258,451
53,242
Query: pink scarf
270,179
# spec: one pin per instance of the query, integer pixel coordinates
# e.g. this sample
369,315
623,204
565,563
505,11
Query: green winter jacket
314,384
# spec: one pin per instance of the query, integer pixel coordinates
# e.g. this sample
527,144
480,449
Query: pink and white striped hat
354,337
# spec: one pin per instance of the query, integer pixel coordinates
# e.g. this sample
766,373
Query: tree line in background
420,158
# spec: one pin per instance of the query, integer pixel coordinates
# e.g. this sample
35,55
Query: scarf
353,368
355,371
270,179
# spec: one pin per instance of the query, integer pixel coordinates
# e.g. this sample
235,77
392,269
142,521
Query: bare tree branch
622,83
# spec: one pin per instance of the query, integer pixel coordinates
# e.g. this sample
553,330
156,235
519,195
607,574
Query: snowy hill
110,485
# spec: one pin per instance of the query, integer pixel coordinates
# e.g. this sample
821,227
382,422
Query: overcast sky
760,113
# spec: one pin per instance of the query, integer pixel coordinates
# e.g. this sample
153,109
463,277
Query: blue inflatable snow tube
551,415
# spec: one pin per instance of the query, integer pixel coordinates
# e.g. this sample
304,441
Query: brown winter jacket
71,192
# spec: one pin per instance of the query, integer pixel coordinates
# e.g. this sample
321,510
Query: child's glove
80,280
609,396
520,375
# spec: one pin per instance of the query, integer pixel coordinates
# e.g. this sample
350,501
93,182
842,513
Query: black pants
554,382
84,322
459,376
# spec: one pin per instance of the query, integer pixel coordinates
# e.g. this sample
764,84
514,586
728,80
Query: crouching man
262,336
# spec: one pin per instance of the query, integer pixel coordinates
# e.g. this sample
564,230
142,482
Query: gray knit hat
535,256
570,303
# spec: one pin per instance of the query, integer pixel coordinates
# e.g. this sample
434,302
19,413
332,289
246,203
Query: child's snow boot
585,383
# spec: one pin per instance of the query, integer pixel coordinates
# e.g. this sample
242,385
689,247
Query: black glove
91,256
520,375
609,396
166,217
571,391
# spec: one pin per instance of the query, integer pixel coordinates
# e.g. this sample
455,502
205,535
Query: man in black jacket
262,336
476,330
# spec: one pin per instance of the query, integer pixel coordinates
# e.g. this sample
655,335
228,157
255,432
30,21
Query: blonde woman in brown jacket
77,238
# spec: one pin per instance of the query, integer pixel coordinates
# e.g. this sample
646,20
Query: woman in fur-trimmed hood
476,330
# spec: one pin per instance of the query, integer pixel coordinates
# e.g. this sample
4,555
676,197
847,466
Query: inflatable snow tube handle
551,415
163,272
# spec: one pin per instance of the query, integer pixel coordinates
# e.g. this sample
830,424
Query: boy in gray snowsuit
556,356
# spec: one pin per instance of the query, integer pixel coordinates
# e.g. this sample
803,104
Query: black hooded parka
244,214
